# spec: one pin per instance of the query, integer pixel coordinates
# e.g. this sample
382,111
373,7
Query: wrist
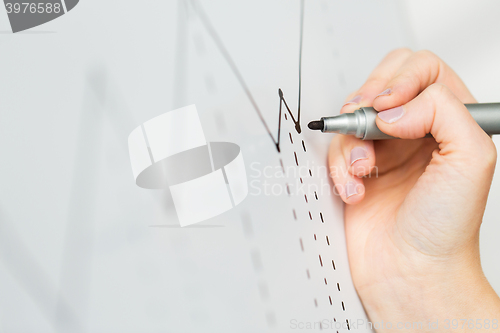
434,298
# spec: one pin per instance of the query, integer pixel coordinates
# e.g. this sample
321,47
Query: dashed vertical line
290,134
326,283
321,215
338,286
315,302
256,260
271,319
247,224
296,160
263,290
310,173
294,215
316,195
320,260
310,216
330,298
308,275
304,146
327,241
343,307
301,245
305,197
333,264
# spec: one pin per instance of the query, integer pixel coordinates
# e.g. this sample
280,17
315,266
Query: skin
413,228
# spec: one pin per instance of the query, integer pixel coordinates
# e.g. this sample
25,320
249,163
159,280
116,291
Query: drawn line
300,58
232,65
211,30
295,121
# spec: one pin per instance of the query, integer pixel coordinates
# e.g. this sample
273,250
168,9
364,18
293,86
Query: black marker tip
316,125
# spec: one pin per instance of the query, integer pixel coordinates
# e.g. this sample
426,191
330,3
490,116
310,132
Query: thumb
439,112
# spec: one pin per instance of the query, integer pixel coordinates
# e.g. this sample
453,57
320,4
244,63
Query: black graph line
297,125
295,121
220,45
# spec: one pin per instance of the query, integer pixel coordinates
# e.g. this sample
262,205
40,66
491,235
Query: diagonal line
289,111
212,32
232,65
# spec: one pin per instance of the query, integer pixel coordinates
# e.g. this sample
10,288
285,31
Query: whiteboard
83,248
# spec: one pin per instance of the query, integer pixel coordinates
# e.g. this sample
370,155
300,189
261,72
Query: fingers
420,70
377,80
351,157
349,160
439,112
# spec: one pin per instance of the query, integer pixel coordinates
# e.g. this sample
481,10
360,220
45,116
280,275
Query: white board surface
84,249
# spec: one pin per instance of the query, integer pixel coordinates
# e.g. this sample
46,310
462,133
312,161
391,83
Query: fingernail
350,189
357,154
392,115
386,92
355,100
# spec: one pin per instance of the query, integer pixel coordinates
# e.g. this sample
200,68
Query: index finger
377,80
420,70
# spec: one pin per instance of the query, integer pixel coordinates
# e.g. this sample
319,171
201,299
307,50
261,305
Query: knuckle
429,59
426,55
438,91
375,81
404,78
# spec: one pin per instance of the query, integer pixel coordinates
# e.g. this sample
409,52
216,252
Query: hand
414,207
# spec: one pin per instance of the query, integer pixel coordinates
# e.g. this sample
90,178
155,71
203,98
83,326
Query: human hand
414,207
